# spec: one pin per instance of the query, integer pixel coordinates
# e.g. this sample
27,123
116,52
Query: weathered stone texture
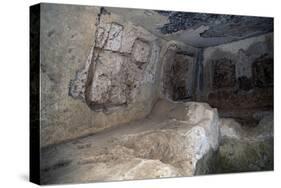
98,71
66,38
240,74
244,149
223,73
141,51
181,71
178,72
229,128
119,77
197,29
122,58
77,86
109,85
102,35
113,40
263,72
175,140
109,65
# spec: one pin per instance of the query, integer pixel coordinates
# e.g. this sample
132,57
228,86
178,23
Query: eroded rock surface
246,149
120,80
174,140
118,65
96,69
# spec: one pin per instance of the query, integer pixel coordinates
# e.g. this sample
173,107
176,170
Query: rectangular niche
223,73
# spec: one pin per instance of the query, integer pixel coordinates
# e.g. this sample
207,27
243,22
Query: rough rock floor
176,139
245,149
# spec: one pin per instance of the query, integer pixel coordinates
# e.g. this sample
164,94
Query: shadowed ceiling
197,29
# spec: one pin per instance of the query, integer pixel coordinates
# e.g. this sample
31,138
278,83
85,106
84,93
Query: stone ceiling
197,29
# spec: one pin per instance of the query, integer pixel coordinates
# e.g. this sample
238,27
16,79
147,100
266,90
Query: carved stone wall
178,72
223,73
240,74
123,60
103,71
99,70
263,72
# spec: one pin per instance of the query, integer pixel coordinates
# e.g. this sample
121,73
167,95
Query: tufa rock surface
245,149
177,139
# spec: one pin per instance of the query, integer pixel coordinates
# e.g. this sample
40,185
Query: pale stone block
141,51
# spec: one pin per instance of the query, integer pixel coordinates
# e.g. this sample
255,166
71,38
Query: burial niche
263,72
223,73
178,76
